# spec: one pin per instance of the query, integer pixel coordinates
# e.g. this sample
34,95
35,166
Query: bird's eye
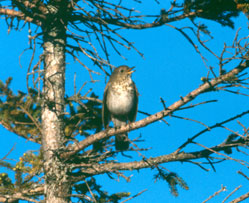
122,70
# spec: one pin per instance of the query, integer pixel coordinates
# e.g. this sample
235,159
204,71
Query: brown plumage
120,103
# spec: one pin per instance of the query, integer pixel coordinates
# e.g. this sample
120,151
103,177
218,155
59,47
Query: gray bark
57,186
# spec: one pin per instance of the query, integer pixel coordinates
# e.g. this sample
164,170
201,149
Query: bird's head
122,72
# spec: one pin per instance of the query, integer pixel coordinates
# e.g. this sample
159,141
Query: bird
120,103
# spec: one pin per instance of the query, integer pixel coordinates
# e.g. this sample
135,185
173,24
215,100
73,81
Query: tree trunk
57,185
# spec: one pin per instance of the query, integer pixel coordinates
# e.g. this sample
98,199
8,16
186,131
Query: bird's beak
130,70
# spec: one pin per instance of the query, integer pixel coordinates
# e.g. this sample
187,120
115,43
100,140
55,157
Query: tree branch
23,195
18,15
208,86
93,169
117,22
241,198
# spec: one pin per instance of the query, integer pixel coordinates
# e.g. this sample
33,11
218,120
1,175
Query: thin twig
236,189
8,152
244,175
134,196
215,194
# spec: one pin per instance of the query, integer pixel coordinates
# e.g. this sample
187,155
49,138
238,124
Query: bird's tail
122,142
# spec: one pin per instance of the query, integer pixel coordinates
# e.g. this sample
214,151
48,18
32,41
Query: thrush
120,103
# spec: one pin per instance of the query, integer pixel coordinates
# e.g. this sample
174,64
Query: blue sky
171,68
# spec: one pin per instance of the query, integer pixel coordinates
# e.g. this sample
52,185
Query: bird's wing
132,116
105,112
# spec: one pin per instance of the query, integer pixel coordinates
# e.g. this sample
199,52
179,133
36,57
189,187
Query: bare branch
23,195
245,176
208,86
215,194
241,198
134,196
190,140
18,14
93,169
8,152
236,189
242,162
